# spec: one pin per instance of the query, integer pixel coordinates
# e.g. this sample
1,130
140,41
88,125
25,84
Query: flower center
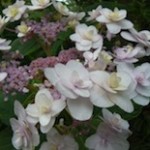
42,2
105,57
54,147
128,49
114,80
45,109
115,121
13,11
114,16
89,35
23,28
140,78
78,82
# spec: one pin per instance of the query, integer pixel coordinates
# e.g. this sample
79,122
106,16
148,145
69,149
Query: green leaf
7,107
25,48
61,39
5,139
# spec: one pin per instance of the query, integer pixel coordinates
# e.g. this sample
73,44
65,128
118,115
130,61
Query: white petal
5,47
92,141
3,75
125,80
43,98
82,92
107,115
32,110
125,24
33,120
122,14
122,101
51,75
102,19
99,97
77,66
125,67
141,100
75,37
17,141
128,36
65,91
19,110
14,124
65,74
34,7
80,109
119,143
83,47
143,90
113,28
45,119
58,106
99,77
35,135
81,28
46,129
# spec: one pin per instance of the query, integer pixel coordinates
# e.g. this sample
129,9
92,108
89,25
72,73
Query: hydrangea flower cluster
85,76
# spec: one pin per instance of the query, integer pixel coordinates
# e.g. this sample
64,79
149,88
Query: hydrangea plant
72,79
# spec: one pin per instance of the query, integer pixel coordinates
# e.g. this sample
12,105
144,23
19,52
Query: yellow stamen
114,80
89,35
105,57
114,16
23,28
13,11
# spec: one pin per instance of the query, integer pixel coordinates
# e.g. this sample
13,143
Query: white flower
98,60
23,29
14,12
3,21
116,122
109,89
86,38
57,141
62,9
128,54
73,81
141,78
114,20
142,37
25,135
4,45
39,4
107,139
3,75
80,108
44,110
76,16
94,13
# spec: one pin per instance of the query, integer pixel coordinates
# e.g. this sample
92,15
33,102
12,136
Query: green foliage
25,48
5,139
140,139
7,105
61,42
